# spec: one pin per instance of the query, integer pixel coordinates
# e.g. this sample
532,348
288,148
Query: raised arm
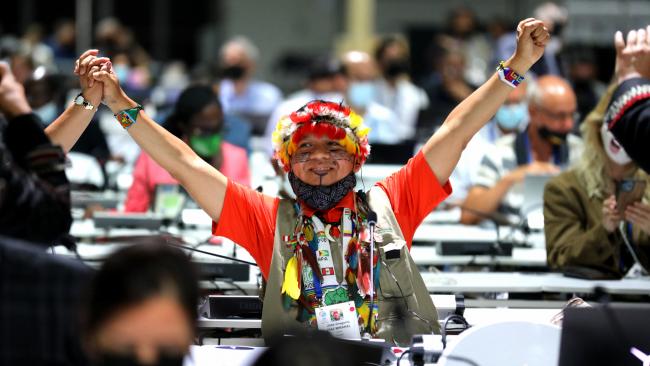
204,183
443,149
68,127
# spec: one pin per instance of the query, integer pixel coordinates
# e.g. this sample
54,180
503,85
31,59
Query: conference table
532,255
474,316
473,282
242,351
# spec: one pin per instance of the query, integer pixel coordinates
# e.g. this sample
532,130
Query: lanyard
557,159
323,253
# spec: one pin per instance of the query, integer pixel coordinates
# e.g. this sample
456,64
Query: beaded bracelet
127,117
509,76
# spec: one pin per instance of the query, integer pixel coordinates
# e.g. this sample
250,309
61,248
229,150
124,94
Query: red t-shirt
248,217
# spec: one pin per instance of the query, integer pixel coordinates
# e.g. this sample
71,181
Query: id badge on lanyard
339,319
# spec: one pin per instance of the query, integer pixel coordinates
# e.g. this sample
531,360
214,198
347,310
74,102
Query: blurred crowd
403,94
553,123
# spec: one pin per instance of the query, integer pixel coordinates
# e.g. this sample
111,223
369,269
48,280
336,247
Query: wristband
127,117
509,76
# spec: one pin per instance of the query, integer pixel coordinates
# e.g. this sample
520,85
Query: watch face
79,100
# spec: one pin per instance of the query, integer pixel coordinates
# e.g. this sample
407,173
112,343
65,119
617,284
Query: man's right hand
13,102
611,217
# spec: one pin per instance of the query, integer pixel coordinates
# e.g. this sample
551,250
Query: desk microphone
181,246
496,218
372,221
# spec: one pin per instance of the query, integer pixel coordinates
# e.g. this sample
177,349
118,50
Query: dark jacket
39,306
34,191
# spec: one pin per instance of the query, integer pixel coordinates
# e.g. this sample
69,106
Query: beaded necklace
310,279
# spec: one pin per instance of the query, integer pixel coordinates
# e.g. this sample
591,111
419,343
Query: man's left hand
532,37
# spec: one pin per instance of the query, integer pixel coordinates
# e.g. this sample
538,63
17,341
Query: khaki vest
405,307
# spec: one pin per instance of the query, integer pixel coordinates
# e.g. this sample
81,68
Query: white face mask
613,149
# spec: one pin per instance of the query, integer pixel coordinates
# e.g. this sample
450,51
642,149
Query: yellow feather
290,283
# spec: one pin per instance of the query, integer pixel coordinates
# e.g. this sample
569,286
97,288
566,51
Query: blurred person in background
33,43
511,118
40,292
197,120
44,93
62,43
130,61
445,87
581,219
583,75
555,17
141,307
394,87
22,66
239,92
464,31
360,72
545,147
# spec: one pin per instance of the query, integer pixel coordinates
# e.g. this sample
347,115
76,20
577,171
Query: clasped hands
99,83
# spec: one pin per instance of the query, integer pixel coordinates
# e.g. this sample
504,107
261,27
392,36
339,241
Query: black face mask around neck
553,137
322,197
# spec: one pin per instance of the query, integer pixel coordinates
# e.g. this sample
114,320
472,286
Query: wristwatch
81,101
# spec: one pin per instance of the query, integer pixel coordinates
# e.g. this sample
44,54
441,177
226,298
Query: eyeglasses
559,116
332,153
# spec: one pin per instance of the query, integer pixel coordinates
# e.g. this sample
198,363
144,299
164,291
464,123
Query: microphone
372,221
496,218
181,246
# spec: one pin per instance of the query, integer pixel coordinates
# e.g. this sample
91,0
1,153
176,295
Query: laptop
606,335
532,207
169,200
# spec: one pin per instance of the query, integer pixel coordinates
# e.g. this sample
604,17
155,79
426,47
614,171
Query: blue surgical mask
47,113
122,72
361,93
509,117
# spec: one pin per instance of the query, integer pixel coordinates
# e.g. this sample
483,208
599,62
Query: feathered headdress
321,118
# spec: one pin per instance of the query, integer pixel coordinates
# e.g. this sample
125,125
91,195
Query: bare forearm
483,200
66,130
443,149
204,183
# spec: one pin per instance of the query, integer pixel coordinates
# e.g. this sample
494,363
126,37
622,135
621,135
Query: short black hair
191,102
137,273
